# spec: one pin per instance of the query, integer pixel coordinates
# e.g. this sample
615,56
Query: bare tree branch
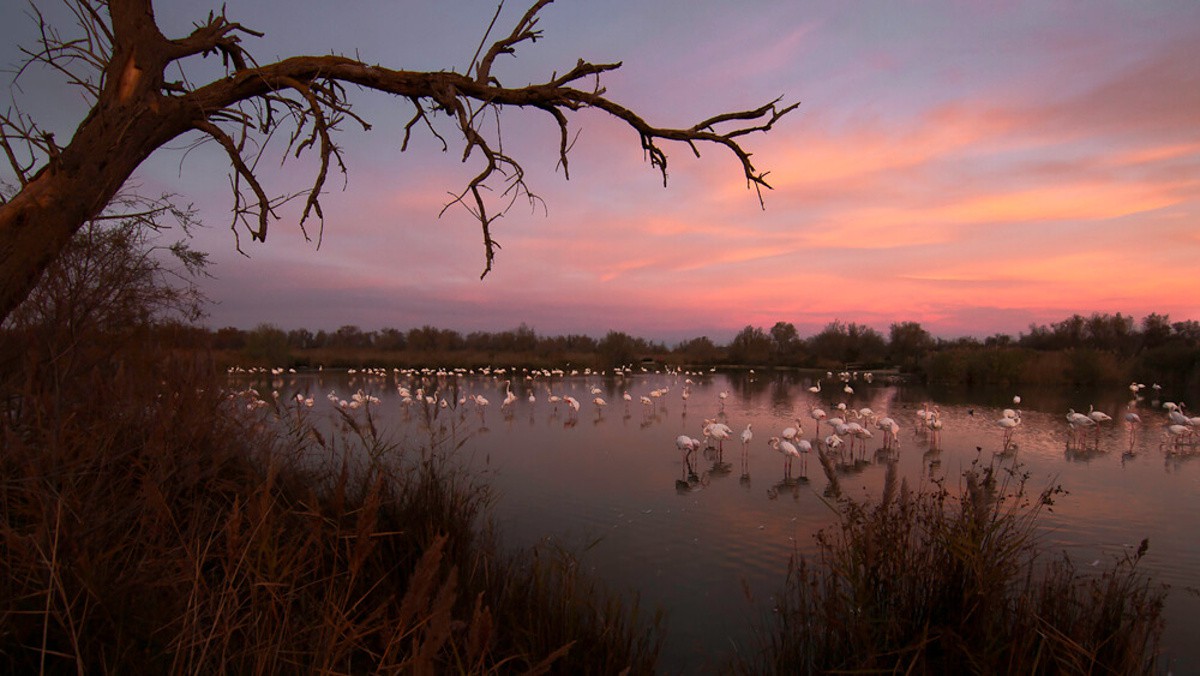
242,172
122,58
524,30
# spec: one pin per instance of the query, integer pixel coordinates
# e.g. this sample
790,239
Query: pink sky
972,168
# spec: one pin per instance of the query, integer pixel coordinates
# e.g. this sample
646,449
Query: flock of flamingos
837,433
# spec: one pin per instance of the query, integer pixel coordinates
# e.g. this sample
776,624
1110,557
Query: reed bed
947,582
152,523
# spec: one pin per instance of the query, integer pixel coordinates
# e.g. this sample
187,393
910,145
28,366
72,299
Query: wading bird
793,433
1100,417
1009,424
833,442
572,403
1078,422
718,431
817,414
891,432
788,450
687,446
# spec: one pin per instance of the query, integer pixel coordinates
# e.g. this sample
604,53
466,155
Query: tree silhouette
120,60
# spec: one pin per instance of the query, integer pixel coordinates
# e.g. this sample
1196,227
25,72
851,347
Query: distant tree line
1100,348
120,283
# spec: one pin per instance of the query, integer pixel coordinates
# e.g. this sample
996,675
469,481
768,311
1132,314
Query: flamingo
858,433
687,446
573,403
788,450
841,410
833,442
818,415
720,432
804,446
1132,419
891,431
1132,422
1175,433
1009,425
934,423
1100,417
657,394
816,389
793,433
647,404
1078,421
747,435
922,416
1179,416
838,425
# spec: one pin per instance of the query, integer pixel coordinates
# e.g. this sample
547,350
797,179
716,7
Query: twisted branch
138,110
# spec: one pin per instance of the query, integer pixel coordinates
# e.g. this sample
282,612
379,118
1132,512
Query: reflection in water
1083,454
790,487
1128,478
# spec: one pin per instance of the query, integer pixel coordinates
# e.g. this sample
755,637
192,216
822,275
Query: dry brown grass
152,524
936,582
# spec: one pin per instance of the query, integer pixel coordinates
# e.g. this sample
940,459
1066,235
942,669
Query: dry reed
152,524
931,582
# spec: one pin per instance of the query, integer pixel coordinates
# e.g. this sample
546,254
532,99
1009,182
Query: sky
974,167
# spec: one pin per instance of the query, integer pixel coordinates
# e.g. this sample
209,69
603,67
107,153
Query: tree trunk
73,188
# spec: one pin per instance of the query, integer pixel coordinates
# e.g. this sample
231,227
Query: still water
709,542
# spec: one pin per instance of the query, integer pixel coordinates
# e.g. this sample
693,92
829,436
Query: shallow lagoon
710,546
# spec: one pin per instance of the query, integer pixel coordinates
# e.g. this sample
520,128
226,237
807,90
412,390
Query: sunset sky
970,166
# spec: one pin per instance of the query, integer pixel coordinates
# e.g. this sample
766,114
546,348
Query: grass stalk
941,581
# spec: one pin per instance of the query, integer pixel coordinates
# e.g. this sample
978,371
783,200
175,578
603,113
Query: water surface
710,542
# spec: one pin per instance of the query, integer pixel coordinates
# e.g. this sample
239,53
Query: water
712,546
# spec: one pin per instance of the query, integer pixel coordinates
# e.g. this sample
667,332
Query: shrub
938,583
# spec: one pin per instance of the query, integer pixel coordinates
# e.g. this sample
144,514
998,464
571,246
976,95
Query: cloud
971,169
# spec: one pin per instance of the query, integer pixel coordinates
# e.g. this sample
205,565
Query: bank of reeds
150,523
942,582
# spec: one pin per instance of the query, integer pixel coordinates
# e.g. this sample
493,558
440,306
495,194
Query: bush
939,583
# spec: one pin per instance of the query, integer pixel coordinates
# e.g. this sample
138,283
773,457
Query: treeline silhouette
1097,349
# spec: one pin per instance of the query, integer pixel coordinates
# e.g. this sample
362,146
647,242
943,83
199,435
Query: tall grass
151,523
950,582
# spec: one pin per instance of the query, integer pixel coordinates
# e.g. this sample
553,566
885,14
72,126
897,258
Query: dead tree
122,59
